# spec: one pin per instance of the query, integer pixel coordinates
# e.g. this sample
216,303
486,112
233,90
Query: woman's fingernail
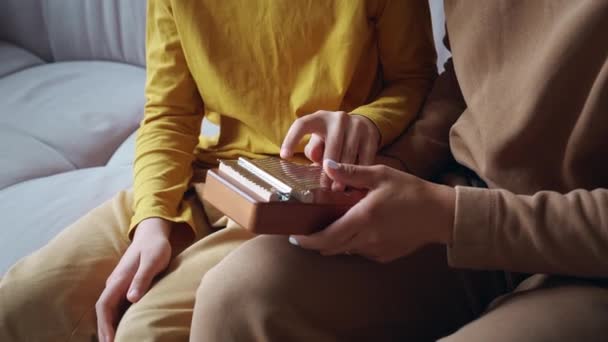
293,241
331,164
132,293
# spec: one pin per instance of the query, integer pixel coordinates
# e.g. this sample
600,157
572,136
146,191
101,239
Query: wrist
446,205
154,226
373,127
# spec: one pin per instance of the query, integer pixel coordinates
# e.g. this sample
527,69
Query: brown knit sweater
525,103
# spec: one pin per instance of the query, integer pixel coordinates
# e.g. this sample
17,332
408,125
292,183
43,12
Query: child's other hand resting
147,256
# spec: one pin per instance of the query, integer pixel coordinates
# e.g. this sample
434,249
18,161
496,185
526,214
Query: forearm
545,233
407,66
171,126
163,167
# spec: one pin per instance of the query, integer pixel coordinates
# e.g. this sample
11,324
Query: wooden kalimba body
275,196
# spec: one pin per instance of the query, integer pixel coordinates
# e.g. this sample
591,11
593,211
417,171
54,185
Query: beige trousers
268,290
50,295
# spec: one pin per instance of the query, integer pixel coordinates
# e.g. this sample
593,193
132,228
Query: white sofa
71,97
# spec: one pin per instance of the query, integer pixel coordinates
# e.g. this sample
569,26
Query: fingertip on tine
285,153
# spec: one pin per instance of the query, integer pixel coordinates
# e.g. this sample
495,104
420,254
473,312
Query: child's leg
51,294
165,312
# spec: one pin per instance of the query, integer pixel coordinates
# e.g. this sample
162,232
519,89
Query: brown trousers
268,290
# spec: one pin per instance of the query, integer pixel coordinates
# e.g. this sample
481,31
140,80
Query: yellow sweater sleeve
407,58
171,126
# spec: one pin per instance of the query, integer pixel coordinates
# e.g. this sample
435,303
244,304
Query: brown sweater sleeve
424,147
548,232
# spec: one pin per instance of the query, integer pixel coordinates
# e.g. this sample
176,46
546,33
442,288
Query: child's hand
147,256
339,136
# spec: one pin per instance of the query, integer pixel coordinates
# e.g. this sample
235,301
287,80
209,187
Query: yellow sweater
253,67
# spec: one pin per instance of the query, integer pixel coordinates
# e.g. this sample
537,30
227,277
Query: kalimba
275,196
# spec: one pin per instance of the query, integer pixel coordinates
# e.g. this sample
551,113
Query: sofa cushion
35,211
24,157
125,154
81,110
14,58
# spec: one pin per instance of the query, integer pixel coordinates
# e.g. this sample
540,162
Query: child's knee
31,311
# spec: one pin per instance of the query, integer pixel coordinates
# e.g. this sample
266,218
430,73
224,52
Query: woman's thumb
356,176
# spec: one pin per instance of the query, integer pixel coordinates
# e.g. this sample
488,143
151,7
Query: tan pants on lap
51,294
544,308
269,290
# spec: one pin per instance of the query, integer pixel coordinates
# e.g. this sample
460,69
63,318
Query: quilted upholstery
34,211
71,93
76,29
14,58
77,112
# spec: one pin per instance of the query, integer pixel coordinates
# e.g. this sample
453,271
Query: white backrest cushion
22,23
60,30
97,29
